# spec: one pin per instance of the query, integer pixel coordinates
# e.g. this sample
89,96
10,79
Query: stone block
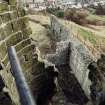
12,7
26,32
12,2
14,39
16,26
21,12
3,7
29,76
14,15
0,20
25,57
26,50
3,50
22,44
8,29
5,61
23,22
26,65
2,34
5,17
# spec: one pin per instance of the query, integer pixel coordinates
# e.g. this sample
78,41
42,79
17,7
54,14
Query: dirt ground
41,33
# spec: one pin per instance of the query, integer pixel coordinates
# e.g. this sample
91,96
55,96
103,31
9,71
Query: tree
100,10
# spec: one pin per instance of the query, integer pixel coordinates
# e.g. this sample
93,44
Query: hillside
92,36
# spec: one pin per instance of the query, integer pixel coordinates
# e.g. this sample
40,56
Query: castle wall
14,31
80,56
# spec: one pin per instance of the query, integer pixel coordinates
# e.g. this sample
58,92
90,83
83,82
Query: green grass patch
92,38
87,35
96,17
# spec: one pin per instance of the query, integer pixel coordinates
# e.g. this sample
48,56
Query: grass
87,35
91,37
96,17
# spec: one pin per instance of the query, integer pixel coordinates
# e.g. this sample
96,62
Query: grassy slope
86,34
93,39
96,17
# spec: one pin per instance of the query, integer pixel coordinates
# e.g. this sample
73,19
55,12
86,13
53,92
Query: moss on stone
21,12
14,39
16,26
26,32
0,20
12,2
3,50
8,29
5,17
3,7
12,7
2,34
5,61
14,15
23,44
27,49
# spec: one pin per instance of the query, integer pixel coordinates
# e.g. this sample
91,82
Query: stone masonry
14,31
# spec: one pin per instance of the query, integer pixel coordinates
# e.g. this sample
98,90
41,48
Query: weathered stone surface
97,77
23,22
60,32
12,2
80,56
5,17
5,60
2,34
22,44
3,7
0,20
26,32
14,15
8,29
21,12
14,31
3,50
72,54
66,79
14,39
16,25
62,54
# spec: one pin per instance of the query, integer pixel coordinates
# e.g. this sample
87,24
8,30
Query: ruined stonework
14,31
71,59
97,77
80,56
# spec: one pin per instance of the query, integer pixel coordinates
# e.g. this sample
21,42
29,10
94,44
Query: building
78,3
36,5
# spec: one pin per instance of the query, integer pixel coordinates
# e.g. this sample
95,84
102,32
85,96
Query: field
93,36
96,17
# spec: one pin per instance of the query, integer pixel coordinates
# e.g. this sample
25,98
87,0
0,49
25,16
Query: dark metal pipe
22,86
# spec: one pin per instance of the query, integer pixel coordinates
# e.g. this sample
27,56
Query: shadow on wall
44,87
4,96
97,77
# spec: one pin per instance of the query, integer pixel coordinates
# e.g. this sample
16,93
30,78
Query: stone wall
79,58
15,31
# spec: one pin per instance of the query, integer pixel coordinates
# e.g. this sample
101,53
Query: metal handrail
26,97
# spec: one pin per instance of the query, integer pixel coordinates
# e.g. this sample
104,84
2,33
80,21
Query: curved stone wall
14,31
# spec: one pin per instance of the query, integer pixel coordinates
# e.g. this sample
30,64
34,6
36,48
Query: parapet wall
14,31
80,56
